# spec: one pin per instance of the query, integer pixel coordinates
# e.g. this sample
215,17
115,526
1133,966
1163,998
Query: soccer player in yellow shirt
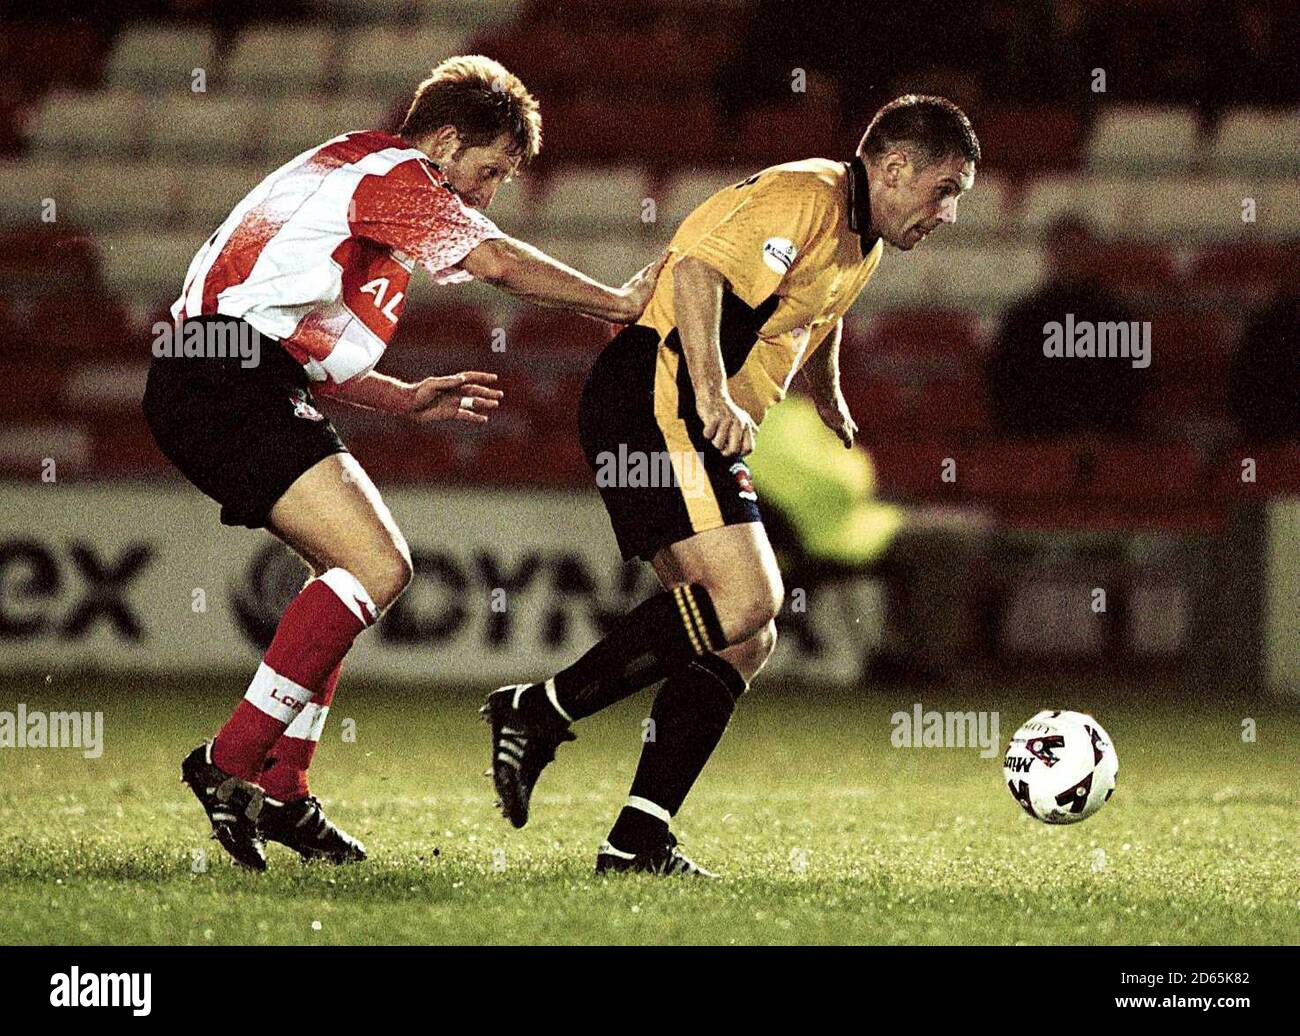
758,280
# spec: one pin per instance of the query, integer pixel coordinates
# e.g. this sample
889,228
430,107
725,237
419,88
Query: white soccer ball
1061,766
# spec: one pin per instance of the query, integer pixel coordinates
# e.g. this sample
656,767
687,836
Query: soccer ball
1061,766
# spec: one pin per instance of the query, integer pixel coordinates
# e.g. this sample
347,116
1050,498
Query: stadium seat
109,123
140,264
1209,208
302,123
1189,339
1155,475
1276,472
206,124
983,211
1139,269
948,341
25,184
124,448
33,389
110,196
1057,135
207,193
28,254
1018,469
1108,204
392,59
681,195
913,471
1258,140
1138,138
89,325
280,60
961,276
1240,273
578,200
110,389
24,448
783,133
65,52
161,57
547,331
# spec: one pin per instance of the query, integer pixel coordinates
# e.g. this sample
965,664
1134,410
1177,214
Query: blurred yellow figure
826,493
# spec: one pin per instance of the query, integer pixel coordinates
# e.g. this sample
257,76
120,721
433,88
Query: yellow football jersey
794,245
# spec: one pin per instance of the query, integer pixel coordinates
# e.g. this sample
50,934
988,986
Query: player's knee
386,574
757,611
759,647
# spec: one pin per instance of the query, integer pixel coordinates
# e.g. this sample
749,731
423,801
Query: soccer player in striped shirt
315,261
758,282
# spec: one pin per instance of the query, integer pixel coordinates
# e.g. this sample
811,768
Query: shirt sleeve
760,241
407,209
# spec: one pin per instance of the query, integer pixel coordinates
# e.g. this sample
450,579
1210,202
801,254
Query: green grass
902,846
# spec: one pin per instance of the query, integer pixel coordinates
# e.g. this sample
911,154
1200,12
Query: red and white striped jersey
319,254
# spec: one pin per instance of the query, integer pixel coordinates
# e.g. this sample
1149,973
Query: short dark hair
482,100
929,128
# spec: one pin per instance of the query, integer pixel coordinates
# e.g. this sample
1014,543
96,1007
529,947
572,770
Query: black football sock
645,645
690,714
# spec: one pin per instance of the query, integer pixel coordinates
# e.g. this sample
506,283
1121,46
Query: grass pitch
823,832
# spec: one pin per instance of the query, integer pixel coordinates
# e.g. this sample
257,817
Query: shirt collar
860,204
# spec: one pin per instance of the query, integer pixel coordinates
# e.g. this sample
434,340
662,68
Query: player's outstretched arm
821,372
529,273
466,396
697,300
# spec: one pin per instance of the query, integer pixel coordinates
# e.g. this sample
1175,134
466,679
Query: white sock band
646,806
276,695
555,702
310,722
348,589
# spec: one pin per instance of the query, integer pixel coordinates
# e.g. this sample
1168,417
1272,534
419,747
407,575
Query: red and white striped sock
285,775
314,634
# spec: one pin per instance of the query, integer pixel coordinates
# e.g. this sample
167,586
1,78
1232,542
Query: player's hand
637,291
835,416
727,426
455,397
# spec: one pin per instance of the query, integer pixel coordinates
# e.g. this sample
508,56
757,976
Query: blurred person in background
1264,381
1032,394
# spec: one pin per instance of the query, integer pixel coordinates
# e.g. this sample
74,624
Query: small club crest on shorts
302,408
744,480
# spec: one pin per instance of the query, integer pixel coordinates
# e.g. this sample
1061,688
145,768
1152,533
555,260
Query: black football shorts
660,479
241,434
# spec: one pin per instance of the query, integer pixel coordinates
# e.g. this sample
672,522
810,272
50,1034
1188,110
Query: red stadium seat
949,337
1237,273
1158,476
783,133
555,331
1128,267
29,253
1030,140
1276,472
1015,468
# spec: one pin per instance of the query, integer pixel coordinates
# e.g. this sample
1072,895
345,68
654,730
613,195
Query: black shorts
661,480
241,434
